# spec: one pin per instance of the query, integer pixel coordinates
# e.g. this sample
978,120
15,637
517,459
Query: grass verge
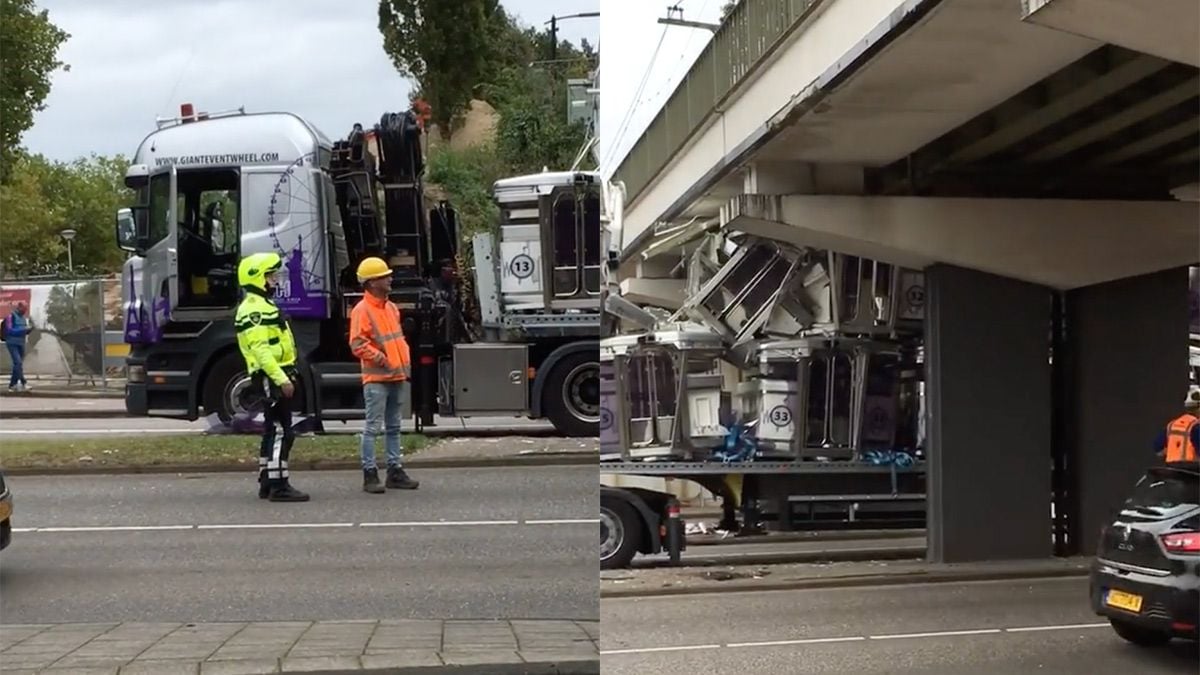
196,449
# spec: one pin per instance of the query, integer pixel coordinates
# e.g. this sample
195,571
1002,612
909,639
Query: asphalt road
471,543
95,426
942,629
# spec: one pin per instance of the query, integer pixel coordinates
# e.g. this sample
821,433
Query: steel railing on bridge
751,32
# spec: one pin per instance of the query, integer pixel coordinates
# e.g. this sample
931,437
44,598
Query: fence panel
75,325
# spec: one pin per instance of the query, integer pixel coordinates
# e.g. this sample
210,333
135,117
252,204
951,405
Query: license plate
1123,600
5,510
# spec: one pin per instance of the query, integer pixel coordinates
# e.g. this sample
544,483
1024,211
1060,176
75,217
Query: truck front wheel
228,389
620,533
572,395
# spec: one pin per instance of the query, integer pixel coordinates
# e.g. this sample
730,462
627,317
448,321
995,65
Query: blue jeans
17,354
384,402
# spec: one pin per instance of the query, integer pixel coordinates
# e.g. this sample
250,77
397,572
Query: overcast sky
629,32
132,60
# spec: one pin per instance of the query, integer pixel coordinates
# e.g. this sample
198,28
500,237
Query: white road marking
437,523
1070,626
114,528
298,526
270,526
943,633
807,641
564,521
649,650
854,638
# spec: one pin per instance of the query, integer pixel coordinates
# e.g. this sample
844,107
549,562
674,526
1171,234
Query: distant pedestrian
377,339
16,328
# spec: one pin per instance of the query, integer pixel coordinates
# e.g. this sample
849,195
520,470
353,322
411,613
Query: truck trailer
517,335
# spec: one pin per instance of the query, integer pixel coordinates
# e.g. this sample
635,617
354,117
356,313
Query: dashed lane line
854,638
300,526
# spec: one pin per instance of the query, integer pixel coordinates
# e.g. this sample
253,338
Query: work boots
282,491
398,480
264,485
371,482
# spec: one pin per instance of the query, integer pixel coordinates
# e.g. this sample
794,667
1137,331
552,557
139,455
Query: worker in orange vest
1180,440
377,340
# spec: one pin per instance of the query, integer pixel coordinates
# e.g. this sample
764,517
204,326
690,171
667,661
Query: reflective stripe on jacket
1180,447
378,341
264,337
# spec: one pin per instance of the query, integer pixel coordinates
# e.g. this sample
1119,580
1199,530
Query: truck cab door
160,270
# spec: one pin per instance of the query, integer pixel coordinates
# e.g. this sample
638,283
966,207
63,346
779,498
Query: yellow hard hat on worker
373,268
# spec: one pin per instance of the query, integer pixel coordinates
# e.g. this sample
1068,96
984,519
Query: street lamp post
68,235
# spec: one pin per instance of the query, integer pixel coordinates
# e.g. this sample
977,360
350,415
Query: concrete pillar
1127,344
988,378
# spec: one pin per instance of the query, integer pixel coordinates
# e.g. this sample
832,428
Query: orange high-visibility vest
1179,439
378,341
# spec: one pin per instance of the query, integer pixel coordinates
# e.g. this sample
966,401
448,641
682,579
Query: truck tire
228,390
571,399
620,533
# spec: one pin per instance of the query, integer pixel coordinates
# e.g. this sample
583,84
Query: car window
1165,491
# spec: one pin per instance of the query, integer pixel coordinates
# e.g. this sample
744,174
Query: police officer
266,342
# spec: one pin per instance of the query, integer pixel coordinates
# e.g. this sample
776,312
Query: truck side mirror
126,231
133,229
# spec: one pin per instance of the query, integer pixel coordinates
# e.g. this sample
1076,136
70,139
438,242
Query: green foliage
442,46
44,198
29,45
467,177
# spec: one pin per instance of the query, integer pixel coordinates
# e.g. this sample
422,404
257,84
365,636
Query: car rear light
1182,542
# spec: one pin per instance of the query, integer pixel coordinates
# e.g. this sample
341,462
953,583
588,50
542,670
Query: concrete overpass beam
770,177
1169,29
1057,243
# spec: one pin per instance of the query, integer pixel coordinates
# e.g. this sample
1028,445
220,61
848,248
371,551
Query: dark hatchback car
1146,576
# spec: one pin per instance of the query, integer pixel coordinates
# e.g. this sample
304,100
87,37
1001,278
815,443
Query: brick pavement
393,646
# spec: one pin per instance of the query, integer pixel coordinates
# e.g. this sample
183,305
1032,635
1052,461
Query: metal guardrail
750,33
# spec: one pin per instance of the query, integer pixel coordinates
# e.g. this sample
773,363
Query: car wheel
1142,637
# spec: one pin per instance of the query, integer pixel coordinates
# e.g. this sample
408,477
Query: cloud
133,60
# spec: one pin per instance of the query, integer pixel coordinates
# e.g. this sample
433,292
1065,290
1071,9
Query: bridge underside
1045,181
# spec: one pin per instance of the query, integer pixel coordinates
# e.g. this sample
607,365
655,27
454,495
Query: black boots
282,491
371,482
264,485
398,480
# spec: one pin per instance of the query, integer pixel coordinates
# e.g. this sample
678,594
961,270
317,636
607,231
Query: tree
442,46
29,45
27,222
44,198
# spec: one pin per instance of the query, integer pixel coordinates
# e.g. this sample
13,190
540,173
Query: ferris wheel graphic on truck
294,230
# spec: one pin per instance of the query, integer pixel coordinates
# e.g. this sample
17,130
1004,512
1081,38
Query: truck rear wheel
620,533
228,389
571,399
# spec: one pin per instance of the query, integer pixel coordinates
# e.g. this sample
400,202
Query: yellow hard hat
372,268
